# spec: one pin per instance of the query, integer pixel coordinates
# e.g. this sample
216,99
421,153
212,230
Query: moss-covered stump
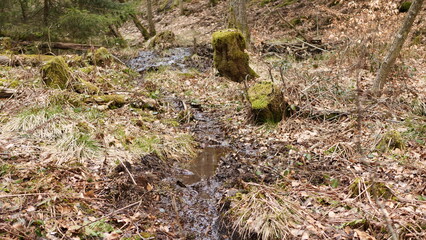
163,40
56,73
267,103
229,57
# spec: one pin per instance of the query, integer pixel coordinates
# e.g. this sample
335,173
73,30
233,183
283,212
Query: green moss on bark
229,57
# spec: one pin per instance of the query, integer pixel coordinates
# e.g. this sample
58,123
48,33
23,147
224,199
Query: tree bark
151,25
396,47
238,18
181,9
46,10
24,7
139,25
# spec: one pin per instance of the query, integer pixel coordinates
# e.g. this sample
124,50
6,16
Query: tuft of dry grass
265,211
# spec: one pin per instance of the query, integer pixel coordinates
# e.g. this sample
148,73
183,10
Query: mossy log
267,103
229,57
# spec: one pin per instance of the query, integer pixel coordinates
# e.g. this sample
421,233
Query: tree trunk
238,18
46,10
139,25
181,9
395,49
24,7
115,31
150,18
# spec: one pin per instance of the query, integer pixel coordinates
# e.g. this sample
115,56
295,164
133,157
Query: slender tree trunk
181,9
238,18
115,31
396,47
24,7
46,10
151,25
139,25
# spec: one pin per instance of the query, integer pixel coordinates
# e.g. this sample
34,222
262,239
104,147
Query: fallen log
7,92
58,45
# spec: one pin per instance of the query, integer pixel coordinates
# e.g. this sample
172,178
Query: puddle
204,165
152,60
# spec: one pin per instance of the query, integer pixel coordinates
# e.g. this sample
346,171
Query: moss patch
9,83
83,86
229,57
405,6
267,104
391,140
113,100
360,187
56,73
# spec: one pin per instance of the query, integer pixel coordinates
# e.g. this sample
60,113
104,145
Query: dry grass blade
267,212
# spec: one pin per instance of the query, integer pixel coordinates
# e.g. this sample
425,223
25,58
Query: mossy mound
405,6
267,103
391,140
229,57
163,40
56,73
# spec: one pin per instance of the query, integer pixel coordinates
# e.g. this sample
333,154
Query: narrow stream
204,165
196,189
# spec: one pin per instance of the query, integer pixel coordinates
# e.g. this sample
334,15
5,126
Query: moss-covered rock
405,6
267,103
163,40
391,140
56,73
229,57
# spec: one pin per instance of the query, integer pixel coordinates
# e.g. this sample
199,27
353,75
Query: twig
23,194
127,170
311,45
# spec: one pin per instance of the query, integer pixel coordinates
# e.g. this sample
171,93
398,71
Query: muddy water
204,165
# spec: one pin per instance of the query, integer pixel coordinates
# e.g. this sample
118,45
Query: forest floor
345,165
